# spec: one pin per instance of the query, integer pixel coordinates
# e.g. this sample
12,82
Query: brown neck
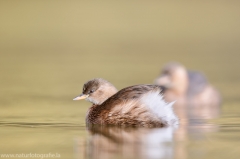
107,94
102,95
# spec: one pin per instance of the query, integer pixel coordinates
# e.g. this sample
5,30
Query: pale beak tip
80,97
76,98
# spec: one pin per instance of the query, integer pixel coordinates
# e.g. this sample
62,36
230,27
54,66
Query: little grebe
188,87
139,105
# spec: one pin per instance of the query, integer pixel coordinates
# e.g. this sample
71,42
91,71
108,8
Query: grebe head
97,91
174,77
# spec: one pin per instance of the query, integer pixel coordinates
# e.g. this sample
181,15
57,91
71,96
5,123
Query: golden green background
48,49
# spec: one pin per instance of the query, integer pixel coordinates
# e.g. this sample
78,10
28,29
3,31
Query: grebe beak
81,96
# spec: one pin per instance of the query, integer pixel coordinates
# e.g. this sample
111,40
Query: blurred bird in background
190,90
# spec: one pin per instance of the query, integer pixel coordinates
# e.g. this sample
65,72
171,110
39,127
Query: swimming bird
186,86
139,105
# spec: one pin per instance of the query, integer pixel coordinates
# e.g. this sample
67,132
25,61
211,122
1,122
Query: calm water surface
197,139
49,49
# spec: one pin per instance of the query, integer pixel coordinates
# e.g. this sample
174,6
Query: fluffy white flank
156,104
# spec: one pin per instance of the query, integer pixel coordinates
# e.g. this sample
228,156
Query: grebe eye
91,91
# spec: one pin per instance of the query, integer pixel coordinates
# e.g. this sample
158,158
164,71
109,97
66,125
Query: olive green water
48,49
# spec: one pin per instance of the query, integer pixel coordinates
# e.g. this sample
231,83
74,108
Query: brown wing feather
129,93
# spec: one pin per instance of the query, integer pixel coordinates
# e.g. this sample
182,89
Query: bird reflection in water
112,142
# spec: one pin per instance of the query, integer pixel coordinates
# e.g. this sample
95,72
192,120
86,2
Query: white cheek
92,100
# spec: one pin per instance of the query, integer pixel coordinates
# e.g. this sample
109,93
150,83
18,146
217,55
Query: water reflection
136,143
111,142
